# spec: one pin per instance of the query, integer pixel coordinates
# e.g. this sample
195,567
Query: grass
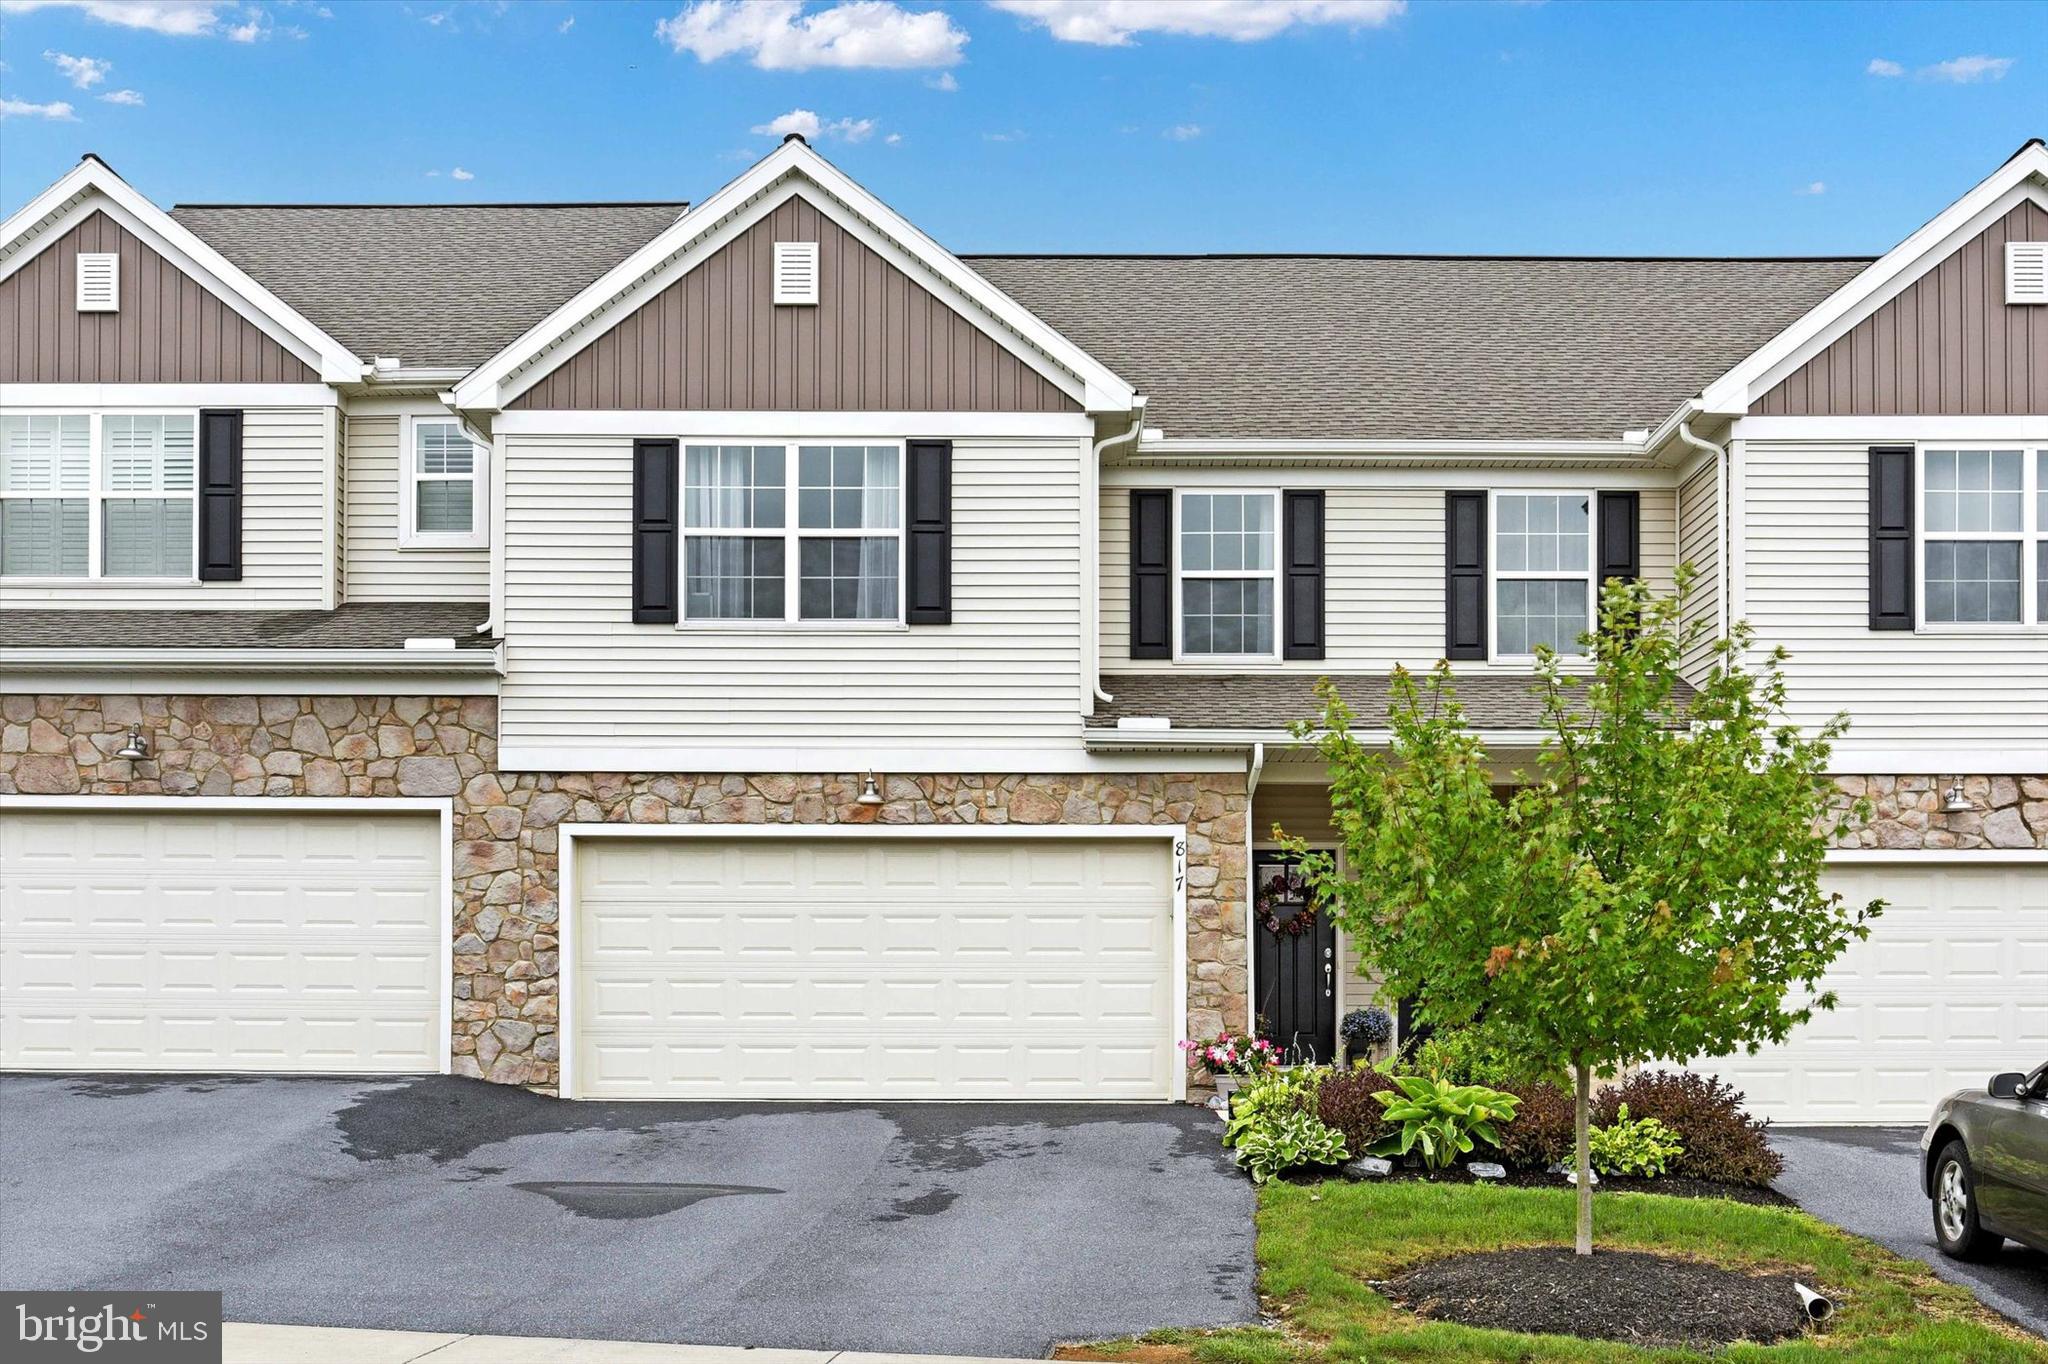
1320,1244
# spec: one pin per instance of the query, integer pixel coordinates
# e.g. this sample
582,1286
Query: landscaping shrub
1273,1125
1346,1103
1722,1141
1541,1134
1467,1056
1643,1147
1442,1121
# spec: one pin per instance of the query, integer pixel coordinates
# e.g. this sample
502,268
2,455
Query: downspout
1091,558
1720,454
1251,961
469,429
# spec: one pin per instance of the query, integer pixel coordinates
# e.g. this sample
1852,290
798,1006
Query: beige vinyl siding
378,570
1006,675
287,559
1807,588
1699,544
1384,558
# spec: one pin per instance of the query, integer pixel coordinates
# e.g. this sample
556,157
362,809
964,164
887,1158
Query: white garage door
874,968
220,940
1951,986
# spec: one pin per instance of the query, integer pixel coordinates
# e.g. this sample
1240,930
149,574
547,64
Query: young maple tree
1652,891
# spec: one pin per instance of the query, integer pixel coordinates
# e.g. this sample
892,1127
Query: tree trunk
1584,1163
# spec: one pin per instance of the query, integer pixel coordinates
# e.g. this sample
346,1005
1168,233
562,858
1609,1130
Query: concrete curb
259,1343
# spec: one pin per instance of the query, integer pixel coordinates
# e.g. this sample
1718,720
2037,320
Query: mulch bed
1625,1295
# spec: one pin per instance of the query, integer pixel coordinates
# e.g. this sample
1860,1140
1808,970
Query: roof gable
875,341
793,167
91,187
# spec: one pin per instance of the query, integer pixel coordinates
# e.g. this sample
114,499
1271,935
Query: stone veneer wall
1906,813
507,836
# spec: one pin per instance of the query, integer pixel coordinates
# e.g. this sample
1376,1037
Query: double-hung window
98,495
793,532
445,490
1227,579
1984,546
1542,572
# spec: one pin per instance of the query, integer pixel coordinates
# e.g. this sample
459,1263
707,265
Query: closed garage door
874,968
1951,986
221,940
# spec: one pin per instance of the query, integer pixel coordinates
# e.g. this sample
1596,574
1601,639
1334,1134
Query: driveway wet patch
611,1201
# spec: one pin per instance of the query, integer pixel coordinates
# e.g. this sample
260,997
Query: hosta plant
1638,1146
1294,1138
1440,1121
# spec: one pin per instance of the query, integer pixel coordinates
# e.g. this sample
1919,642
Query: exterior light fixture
1954,802
870,794
136,747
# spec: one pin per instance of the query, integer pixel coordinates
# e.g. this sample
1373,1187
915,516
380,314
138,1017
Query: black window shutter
657,530
1465,575
929,599
1891,537
220,496
1303,520
1151,573
1621,519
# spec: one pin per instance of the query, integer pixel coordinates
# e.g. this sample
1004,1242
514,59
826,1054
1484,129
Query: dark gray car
1985,1166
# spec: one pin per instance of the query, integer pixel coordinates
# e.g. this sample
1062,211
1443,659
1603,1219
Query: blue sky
1069,125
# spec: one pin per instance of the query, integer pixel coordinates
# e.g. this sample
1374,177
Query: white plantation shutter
443,449
99,282
46,472
2026,272
796,272
149,454
45,454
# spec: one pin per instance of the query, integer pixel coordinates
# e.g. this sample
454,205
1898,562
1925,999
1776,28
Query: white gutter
1418,451
1719,454
1167,740
1251,777
1091,557
252,660
496,490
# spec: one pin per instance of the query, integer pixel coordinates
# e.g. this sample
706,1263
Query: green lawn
1318,1244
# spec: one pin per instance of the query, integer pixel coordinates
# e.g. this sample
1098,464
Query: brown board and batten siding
1947,345
876,341
168,329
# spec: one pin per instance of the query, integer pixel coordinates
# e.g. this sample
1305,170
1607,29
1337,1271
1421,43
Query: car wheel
1956,1228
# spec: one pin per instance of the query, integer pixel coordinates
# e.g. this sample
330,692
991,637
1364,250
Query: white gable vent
796,272
99,282
2026,272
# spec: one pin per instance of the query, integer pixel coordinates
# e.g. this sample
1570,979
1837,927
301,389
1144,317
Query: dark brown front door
1294,962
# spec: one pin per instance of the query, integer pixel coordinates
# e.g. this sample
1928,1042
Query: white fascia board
796,425
101,397
1856,760
1875,429
74,193
1420,451
834,759
1167,740
406,662
2023,175
1443,473
485,388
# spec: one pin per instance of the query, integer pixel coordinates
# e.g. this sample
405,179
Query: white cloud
83,72
944,81
777,35
566,24
1015,136
56,110
1882,66
1968,70
180,18
1112,23
811,128
1814,187
893,139
460,174
132,98
1183,132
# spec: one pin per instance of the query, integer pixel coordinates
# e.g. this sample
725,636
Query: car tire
1956,1228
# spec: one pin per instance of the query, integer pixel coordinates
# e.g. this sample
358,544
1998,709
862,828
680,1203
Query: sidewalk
253,1343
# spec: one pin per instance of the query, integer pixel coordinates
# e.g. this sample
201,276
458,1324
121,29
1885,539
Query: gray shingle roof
1413,347
1274,701
381,625
434,285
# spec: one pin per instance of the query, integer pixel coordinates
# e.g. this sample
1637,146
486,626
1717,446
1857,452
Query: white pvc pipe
1818,1308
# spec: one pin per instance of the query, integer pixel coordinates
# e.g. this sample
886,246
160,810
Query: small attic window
796,273
99,282
2026,272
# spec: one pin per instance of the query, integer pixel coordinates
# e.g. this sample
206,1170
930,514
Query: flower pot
1227,1085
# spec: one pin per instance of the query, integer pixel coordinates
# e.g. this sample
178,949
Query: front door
1295,961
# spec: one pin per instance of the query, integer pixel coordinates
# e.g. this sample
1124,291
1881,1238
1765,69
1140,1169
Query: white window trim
97,494
1495,574
2032,536
1272,575
409,534
790,533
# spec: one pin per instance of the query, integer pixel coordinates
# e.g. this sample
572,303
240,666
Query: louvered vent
2026,272
796,272
99,282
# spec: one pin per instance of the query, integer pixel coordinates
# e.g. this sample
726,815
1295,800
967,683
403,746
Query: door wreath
1276,914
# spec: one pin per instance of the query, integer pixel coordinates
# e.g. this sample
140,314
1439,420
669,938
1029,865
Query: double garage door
201,938
1950,987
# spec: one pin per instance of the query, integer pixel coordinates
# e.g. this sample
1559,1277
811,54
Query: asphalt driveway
1867,1180
447,1204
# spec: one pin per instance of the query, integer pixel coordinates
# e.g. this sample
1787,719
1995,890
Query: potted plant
1228,1058
1364,1032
